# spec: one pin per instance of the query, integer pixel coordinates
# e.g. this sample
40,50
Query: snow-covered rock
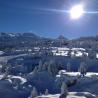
1,52
23,80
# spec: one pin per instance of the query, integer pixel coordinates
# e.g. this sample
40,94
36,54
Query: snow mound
23,80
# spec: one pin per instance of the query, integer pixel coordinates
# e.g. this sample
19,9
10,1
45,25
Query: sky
47,18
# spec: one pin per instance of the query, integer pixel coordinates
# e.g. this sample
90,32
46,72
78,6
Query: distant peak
62,37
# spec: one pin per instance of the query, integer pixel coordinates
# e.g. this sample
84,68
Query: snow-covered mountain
11,40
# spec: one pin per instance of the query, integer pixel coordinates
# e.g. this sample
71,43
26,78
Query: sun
76,11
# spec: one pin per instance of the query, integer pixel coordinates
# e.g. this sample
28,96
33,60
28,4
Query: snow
68,73
79,54
89,74
18,50
12,35
60,54
29,50
23,80
49,96
1,52
72,73
87,85
62,71
97,55
70,95
1,76
54,51
1,66
63,51
9,80
81,49
67,49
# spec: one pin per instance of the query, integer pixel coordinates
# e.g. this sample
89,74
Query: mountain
12,40
85,42
18,40
61,37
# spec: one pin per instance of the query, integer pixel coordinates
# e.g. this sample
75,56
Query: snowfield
87,85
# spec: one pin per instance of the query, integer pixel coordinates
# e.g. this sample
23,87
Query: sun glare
76,11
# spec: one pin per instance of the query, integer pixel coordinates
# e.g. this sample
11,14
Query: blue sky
43,18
